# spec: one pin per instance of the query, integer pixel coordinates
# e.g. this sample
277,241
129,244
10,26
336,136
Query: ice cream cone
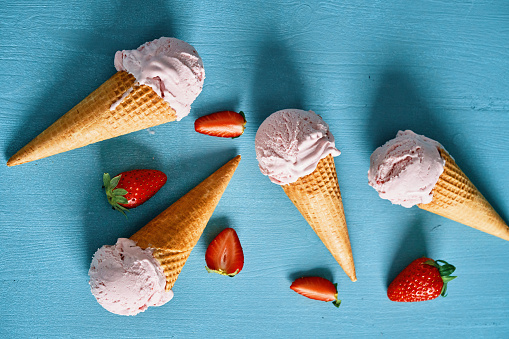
318,199
174,233
92,120
456,198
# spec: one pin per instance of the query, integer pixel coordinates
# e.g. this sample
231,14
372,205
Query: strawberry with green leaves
132,188
317,288
224,254
424,279
224,124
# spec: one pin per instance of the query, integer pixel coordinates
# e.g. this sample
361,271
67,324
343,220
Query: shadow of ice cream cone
412,246
277,83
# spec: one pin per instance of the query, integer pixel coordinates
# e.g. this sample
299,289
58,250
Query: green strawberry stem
336,302
445,271
245,121
115,195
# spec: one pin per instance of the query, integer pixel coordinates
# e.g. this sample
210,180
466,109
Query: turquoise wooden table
369,68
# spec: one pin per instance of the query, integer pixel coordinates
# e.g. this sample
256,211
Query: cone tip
350,272
20,157
15,161
12,162
235,161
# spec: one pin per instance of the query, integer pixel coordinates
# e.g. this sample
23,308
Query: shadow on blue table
400,105
277,82
322,272
214,227
412,246
211,106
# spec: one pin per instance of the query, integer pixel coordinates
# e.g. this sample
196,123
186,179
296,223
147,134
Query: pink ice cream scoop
126,279
290,143
405,169
171,67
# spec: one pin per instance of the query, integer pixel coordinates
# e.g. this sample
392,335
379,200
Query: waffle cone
91,120
318,199
174,233
456,198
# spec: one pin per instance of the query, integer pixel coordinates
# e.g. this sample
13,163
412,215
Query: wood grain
369,68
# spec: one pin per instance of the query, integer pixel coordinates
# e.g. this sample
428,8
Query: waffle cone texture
174,233
318,199
91,120
456,198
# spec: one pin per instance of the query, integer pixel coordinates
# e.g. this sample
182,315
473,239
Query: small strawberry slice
224,124
424,279
224,254
317,288
132,188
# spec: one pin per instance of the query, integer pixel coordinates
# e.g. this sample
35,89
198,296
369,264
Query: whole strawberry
423,279
132,188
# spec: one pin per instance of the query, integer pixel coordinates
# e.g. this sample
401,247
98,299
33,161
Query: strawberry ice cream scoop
405,169
171,67
126,279
290,143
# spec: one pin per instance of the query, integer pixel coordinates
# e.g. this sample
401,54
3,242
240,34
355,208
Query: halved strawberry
224,124
224,254
317,288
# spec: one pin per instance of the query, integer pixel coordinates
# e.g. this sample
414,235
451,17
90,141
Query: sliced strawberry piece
317,288
130,189
224,124
224,254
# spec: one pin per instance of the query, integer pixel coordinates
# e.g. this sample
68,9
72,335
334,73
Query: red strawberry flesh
224,124
141,185
130,189
316,288
224,254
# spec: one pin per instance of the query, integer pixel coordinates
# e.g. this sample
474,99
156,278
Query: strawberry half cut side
224,124
317,288
224,254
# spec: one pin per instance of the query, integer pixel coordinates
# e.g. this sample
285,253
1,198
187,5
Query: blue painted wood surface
369,68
